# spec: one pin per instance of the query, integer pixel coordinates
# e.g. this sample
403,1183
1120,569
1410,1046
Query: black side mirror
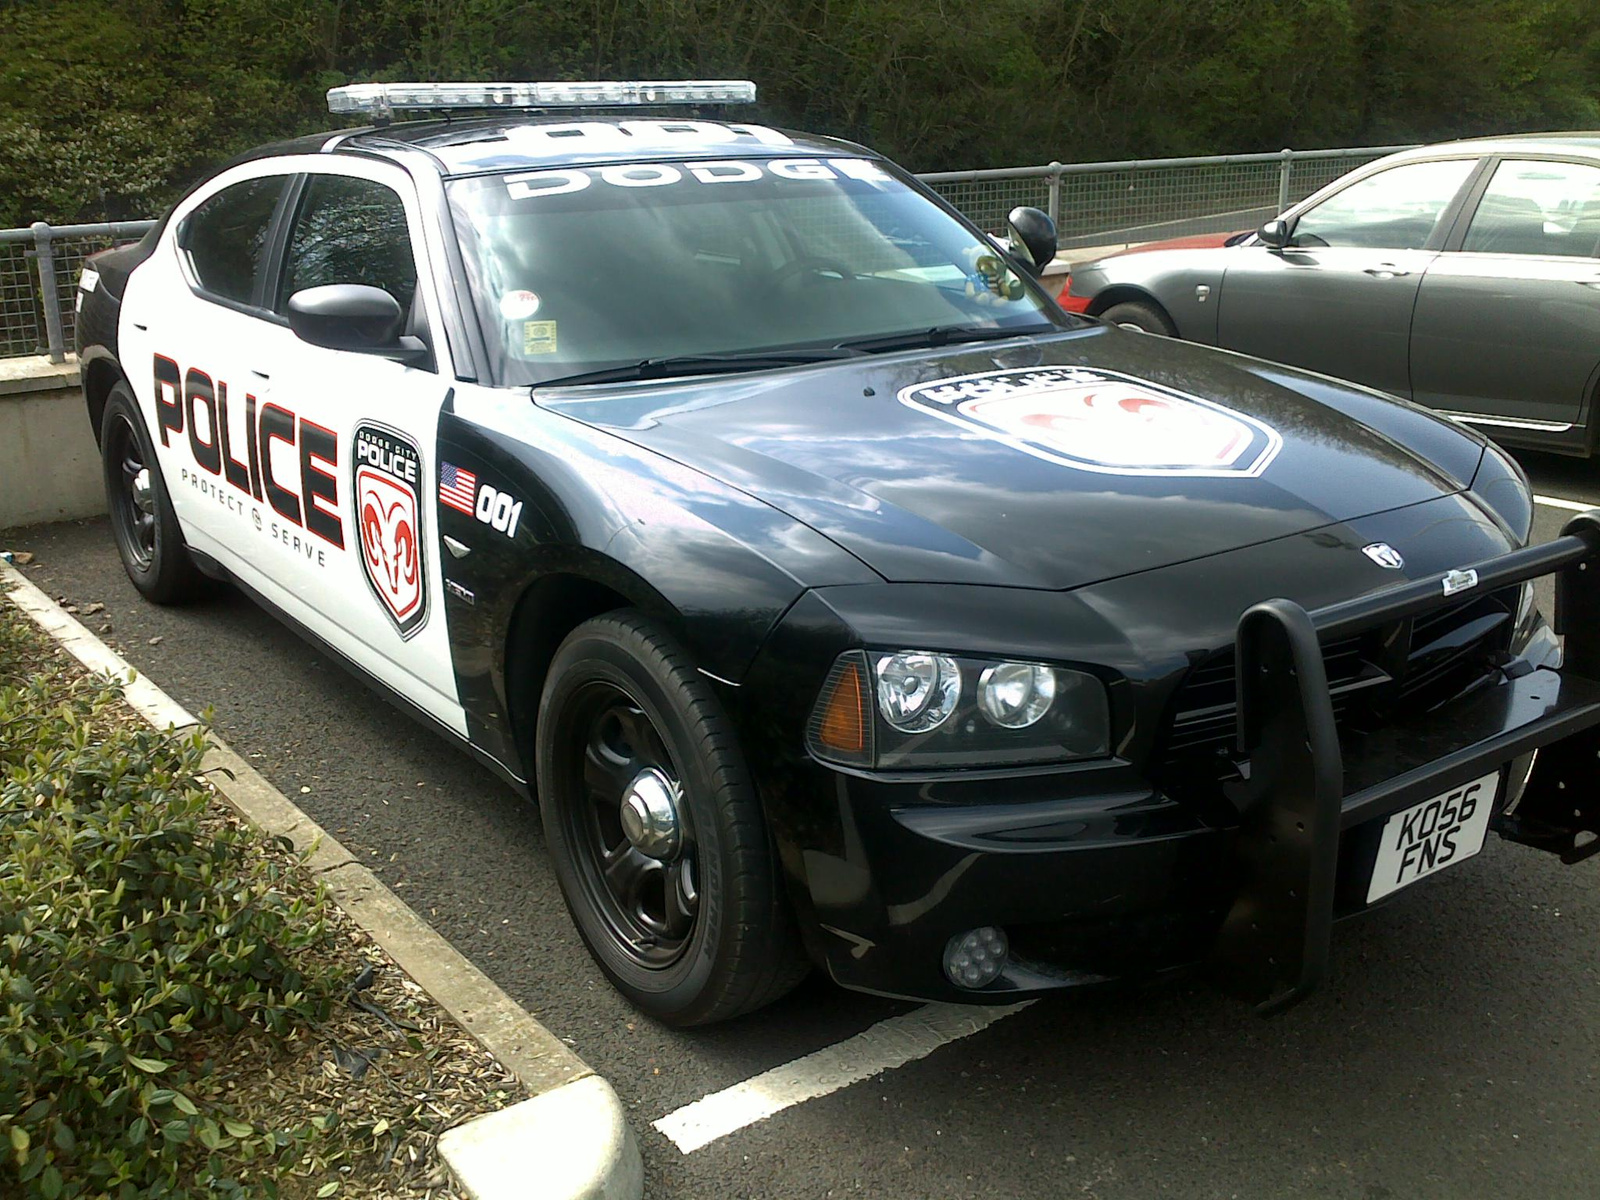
355,317
1274,234
1032,237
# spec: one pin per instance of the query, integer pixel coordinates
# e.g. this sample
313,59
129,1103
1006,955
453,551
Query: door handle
1386,271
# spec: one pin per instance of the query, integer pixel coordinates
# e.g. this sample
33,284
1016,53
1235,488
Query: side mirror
1032,238
355,317
1274,234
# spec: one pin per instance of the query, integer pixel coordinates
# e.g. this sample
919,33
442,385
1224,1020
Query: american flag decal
457,488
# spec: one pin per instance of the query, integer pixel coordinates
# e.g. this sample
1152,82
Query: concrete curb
572,1138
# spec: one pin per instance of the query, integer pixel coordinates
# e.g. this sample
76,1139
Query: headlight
1015,695
922,708
917,692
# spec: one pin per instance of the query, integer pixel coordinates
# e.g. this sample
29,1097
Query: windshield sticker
518,306
538,337
530,185
1101,421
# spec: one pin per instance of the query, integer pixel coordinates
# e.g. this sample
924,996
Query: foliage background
109,107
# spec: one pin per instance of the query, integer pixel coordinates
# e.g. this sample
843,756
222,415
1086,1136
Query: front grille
1410,666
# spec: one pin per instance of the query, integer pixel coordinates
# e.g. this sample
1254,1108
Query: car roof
1585,143
523,141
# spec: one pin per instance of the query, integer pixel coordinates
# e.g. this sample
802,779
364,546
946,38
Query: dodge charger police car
842,600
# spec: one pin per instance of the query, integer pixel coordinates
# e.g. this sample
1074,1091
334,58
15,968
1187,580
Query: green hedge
139,931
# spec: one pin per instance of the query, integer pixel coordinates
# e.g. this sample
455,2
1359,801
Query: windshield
580,269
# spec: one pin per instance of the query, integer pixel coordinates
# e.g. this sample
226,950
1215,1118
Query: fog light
974,959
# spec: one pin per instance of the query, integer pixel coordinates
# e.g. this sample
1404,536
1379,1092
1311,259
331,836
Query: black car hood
946,466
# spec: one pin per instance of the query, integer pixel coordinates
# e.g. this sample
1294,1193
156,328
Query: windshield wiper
702,364
944,335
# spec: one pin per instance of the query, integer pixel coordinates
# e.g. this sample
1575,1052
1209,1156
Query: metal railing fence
1102,203
39,269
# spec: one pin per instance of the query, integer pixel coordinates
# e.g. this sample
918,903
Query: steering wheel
815,265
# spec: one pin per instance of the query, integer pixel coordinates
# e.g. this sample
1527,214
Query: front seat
1510,225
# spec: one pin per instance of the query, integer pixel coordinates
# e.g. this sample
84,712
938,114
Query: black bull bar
1273,945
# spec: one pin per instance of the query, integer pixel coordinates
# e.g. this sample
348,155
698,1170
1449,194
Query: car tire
654,829
1142,316
143,522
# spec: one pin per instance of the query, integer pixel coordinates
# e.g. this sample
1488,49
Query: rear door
1338,299
191,319
1508,325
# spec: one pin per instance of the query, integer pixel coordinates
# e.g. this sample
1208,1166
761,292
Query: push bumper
1095,875
1300,797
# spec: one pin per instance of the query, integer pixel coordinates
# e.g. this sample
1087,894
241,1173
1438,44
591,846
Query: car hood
1043,462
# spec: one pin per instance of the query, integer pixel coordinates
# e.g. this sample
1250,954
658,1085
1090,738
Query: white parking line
886,1045
1569,505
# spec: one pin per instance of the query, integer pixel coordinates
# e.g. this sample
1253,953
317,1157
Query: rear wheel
1142,316
654,829
142,520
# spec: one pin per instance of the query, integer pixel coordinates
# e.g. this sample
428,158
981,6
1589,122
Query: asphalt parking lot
1454,1053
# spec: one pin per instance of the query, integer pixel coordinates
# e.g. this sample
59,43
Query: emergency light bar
382,99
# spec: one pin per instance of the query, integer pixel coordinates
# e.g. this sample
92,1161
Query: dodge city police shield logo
388,498
1102,421
1384,555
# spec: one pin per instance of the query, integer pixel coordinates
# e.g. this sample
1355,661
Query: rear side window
350,230
1550,208
1395,209
226,236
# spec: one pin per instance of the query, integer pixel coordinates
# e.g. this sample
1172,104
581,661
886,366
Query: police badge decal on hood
388,493
1102,421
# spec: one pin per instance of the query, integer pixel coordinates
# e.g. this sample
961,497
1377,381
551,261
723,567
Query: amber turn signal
839,725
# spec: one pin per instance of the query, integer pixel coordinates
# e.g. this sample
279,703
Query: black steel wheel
142,520
633,833
654,829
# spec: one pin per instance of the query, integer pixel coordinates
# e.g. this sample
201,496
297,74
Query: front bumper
1095,874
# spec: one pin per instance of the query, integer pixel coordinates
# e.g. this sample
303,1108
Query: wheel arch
548,608
100,373
1121,293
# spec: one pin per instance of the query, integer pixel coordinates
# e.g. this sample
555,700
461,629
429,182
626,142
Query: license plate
1433,835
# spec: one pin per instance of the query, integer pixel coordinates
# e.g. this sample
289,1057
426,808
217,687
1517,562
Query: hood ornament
1384,555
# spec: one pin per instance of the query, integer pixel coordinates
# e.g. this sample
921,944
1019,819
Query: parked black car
842,599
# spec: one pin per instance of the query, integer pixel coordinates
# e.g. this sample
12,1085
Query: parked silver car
1465,276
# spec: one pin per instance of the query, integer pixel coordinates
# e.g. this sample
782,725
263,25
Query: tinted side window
226,235
350,231
1395,209
1538,208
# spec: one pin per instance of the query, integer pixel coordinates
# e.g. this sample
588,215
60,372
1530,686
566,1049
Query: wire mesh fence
21,310
1093,204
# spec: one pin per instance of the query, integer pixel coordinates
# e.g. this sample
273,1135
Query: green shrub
139,933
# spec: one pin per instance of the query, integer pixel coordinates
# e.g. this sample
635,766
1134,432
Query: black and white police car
842,600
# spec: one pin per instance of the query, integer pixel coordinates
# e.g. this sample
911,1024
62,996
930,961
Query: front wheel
142,519
654,830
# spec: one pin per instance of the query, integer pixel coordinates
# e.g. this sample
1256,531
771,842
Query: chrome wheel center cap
141,491
650,814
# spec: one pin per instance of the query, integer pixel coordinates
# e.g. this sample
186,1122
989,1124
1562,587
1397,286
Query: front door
359,535
1338,298
1508,326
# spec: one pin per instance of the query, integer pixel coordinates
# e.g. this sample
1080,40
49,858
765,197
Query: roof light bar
382,99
